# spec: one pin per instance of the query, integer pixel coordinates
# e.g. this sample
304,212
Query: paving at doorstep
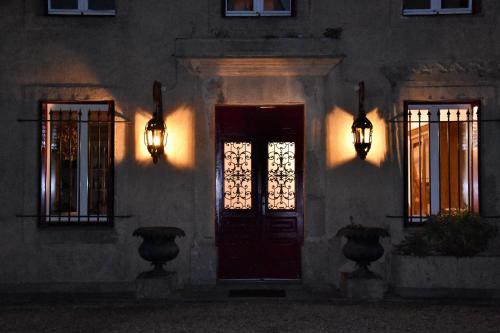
248,315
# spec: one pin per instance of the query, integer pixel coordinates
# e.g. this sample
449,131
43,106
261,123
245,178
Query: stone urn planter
362,247
158,247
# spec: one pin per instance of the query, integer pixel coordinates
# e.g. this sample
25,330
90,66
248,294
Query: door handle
263,203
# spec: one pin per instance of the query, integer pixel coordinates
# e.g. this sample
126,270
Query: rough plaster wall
119,57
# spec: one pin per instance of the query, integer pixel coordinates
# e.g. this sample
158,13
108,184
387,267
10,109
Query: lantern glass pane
149,137
366,136
157,138
359,135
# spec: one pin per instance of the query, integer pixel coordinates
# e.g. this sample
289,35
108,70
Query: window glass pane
98,161
419,182
64,4
240,5
442,160
455,3
458,160
277,5
237,175
281,175
64,162
416,4
102,4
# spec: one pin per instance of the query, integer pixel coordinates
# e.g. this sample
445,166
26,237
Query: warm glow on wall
378,149
180,149
339,148
142,154
120,144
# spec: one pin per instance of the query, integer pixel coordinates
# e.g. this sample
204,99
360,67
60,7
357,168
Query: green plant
459,234
361,231
414,244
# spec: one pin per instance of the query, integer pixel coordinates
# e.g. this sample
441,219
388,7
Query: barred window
435,7
258,7
77,162
442,159
81,7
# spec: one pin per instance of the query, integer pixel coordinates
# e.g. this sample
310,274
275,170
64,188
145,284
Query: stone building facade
314,57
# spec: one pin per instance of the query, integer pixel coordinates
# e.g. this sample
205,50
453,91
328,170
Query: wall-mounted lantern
362,128
155,133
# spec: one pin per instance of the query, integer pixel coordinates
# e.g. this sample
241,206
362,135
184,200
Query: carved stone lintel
436,71
260,67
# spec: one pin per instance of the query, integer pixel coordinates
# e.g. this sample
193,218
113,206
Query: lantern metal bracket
155,132
362,128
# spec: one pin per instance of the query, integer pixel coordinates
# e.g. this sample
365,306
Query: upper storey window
81,7
258,7
434,7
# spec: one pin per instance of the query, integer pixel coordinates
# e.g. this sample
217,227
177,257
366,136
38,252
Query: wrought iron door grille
442,157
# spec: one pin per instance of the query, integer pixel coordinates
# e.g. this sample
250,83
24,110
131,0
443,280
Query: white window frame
434,166
258,10
83,164
83,9
436,9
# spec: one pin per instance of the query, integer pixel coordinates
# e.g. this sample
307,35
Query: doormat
257,293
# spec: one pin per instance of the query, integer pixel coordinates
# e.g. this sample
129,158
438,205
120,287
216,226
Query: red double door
259,191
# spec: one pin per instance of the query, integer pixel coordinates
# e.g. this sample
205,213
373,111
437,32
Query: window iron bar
458,163
72,216
449,159
59,174
438,114
97,182
79,208
429,163
457,121
469,158
79,121
70,164
410,217
420,162
411,165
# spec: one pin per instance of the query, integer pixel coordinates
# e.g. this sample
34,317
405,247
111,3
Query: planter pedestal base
362,288
156,287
